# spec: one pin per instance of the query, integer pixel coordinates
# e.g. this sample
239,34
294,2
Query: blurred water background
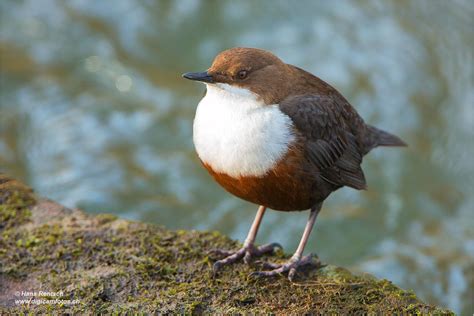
94,114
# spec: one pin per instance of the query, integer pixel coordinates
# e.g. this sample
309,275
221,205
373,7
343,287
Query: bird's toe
247,253
292,267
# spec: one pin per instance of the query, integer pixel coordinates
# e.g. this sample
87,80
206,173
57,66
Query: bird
280,137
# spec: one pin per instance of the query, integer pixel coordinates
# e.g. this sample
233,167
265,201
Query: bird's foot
247,252
291,266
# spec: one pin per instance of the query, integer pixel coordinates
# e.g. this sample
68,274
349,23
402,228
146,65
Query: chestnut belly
291,185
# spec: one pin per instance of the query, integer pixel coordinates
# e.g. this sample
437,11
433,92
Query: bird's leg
248,250
297,260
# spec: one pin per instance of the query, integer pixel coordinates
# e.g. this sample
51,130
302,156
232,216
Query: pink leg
248,250
297,260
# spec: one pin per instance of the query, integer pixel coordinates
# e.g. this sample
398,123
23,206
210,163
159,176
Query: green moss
15,202
114,266
105,218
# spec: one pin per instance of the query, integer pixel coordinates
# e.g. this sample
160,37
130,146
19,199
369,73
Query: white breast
237,134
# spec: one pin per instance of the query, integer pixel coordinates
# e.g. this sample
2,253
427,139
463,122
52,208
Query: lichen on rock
110,265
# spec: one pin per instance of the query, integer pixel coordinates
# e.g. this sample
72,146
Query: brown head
250,68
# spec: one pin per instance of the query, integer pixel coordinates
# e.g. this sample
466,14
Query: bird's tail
377,137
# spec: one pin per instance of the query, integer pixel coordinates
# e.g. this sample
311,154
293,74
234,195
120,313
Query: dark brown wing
330,127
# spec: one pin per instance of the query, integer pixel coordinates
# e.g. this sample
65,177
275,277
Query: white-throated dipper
280,137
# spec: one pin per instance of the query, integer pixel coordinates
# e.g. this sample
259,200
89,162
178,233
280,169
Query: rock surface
101,264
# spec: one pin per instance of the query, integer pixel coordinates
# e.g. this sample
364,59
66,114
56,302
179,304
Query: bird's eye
242,74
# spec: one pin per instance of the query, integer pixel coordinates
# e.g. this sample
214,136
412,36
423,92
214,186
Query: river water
94,114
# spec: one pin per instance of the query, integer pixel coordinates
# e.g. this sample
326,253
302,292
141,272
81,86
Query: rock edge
102,264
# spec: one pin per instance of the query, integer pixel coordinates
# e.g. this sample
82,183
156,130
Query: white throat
235,133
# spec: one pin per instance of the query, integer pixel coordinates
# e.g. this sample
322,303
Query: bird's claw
247,253
291,267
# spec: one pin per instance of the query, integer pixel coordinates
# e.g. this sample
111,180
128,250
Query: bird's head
244,70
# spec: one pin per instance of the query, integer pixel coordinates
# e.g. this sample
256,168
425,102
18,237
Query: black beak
199,76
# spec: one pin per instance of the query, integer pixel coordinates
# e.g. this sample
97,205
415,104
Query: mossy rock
15,201
102,264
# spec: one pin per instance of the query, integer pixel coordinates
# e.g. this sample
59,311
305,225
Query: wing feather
328,124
